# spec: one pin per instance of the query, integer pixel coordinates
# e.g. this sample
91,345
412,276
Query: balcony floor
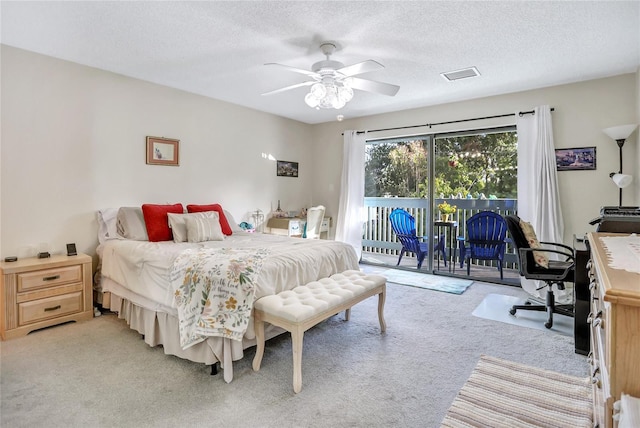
478,273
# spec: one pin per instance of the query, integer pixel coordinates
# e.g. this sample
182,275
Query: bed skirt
161,328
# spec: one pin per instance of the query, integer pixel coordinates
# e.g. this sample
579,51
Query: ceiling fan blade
361,67
373,86
286,88
294,69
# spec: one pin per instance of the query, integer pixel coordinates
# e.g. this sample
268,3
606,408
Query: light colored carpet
496,307
100,373
501,393
429,281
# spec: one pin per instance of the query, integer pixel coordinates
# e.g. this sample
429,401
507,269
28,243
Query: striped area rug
502,393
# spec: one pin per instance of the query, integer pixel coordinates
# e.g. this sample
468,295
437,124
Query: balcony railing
378,236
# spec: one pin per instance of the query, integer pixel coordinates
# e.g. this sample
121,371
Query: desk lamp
620,134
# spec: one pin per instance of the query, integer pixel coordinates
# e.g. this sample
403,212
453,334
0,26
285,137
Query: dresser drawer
51,307
28,281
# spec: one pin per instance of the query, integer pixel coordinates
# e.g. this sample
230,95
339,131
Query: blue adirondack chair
404,226
486,236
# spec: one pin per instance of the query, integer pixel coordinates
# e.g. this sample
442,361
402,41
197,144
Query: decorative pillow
157,221
530,235
201,229
224,224
130,224
179,227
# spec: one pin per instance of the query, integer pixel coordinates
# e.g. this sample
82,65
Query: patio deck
477,273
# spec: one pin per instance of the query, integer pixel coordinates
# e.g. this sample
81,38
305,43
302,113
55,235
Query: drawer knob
53,308
51,278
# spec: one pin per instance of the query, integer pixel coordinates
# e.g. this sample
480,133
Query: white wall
582,110
73,142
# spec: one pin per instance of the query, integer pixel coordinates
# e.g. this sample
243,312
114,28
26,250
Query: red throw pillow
157,221
224,224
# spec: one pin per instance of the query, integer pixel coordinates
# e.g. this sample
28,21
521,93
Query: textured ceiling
218,49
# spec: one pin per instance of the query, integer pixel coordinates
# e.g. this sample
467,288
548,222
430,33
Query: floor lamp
620,134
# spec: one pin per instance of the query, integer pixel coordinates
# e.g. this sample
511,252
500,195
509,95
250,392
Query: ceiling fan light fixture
345,93
333,84
329,94
318,90
311,100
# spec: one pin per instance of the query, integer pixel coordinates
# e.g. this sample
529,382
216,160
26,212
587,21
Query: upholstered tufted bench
303,307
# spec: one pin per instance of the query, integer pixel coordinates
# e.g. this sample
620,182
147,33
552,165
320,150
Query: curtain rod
522,113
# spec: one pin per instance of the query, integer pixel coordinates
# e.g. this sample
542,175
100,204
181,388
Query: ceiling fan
333,83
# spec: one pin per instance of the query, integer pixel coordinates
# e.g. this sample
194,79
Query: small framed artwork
576,159
163,151
287,169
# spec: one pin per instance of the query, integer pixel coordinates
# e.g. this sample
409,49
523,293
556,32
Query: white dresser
615,332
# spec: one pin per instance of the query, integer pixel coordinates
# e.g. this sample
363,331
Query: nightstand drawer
28,281
51,307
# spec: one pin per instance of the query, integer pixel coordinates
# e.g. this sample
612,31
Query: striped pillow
179,227
201,229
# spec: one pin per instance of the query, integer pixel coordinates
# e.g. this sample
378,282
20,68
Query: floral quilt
214,290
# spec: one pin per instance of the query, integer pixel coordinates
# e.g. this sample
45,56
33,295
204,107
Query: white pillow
130,224
107,228
203,229
232,222
179,227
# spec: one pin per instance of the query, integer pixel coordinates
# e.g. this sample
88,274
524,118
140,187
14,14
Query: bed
136,277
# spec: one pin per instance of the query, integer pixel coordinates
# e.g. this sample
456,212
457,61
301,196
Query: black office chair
557,272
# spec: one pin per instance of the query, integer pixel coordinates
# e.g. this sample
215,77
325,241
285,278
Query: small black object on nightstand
11,259
44,255
71,250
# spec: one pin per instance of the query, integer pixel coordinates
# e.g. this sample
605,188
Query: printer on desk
618,220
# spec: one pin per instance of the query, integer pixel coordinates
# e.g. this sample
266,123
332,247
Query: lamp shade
621,180
621,132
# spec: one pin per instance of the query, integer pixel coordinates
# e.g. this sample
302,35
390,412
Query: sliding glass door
474,171
467,171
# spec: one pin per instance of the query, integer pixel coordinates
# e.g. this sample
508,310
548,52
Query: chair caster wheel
548,324
512,311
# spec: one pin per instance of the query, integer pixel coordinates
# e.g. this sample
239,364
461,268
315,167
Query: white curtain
538,195
349,225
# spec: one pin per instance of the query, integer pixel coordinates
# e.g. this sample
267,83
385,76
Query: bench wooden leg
347,314
259,330
297,337
381,298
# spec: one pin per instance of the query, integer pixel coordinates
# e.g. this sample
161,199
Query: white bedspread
138,271
143,267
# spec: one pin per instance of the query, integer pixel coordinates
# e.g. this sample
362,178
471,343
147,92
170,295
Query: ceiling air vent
461,74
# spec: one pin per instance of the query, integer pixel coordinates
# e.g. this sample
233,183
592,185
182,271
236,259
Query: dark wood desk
582,296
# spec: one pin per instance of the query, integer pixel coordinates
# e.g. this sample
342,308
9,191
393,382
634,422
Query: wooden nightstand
37,293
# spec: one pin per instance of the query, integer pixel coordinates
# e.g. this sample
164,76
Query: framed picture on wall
163,151
579,158
287,169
